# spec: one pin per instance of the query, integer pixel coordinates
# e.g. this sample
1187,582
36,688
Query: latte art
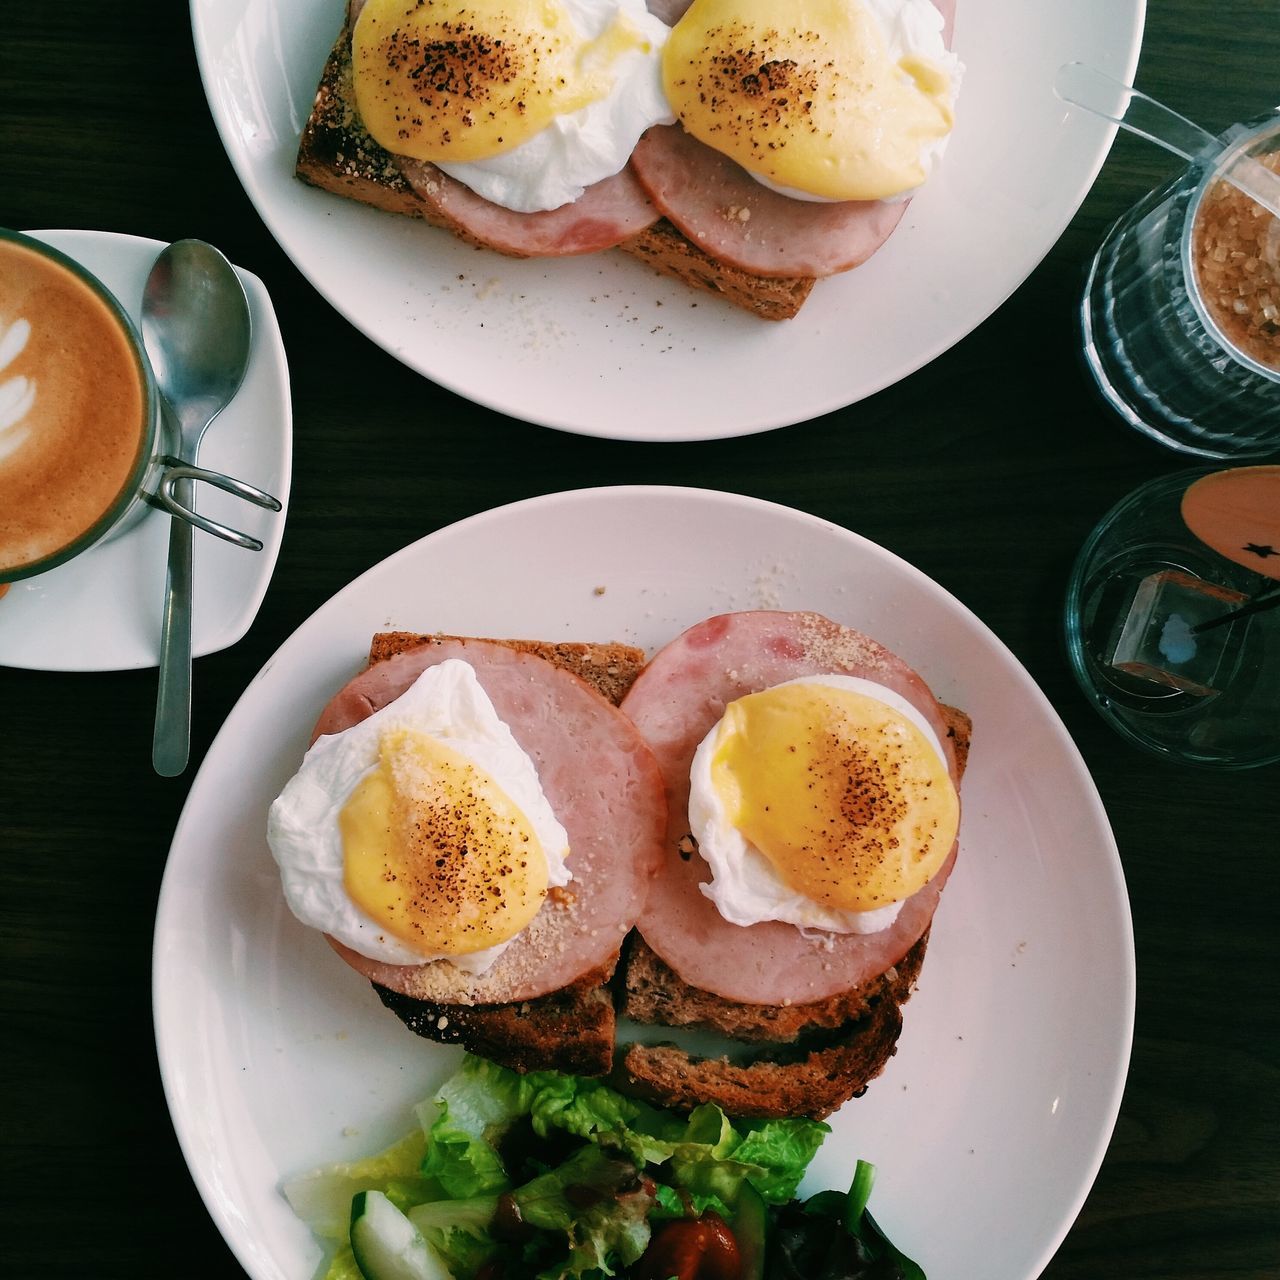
75,401
17,394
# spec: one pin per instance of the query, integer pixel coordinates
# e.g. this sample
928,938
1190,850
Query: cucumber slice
387,1246
751,1231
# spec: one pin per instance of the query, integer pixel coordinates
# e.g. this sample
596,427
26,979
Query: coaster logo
17,394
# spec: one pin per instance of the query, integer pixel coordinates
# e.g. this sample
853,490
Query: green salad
553,1177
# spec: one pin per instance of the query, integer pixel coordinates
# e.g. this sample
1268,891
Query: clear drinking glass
1164,350
1143,587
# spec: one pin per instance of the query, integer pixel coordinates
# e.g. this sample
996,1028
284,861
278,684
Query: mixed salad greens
553,1177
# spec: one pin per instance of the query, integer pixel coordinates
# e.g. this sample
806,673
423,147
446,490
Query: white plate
989,1124
600,345
101,611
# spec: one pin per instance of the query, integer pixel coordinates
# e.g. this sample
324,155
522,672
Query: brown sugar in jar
1236,253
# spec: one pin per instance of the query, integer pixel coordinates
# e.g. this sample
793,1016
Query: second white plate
599,344
990,1123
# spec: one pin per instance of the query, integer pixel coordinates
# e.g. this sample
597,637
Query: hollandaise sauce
807,95
436,852
454,81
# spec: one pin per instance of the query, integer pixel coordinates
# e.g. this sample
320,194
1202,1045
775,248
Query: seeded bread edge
337,155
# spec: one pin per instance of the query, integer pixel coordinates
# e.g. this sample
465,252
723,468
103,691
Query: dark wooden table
1009,464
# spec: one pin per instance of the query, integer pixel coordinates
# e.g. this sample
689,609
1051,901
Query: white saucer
101,611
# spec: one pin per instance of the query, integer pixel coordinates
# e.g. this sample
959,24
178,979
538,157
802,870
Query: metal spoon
196,328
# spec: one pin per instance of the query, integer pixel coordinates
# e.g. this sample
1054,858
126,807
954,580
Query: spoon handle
1081,85
171,741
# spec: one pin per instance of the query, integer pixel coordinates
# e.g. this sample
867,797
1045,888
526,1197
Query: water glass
1143,587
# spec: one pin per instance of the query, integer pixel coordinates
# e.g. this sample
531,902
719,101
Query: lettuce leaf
459,1231
626,1163
476,1106
322,1198
599,1203
707,1154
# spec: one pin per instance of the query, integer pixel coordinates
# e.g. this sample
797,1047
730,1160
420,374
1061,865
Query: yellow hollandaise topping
806,95
844,795
437,853
453,81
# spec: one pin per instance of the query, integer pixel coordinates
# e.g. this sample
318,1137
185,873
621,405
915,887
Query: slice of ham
679,696
604,215
715,203
602,783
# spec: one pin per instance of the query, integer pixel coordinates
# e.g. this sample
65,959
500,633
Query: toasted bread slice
337,154
571,1030
809,1058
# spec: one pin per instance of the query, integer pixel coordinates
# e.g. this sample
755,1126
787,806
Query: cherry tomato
697,1249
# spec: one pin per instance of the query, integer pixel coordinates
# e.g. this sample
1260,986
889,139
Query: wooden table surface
1009,462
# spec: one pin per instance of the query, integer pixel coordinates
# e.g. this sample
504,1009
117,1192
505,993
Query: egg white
447,703
744,885
910,28
557,164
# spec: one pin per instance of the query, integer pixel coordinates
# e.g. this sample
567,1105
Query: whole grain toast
573,1029
337,155
808,1058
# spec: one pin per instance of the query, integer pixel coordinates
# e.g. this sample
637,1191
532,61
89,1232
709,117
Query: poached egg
817,99
823,802
527,102
422,832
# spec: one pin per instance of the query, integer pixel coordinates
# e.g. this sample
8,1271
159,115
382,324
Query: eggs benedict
823,802
526,102
421,833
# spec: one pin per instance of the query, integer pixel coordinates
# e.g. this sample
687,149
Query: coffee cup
86,448
1180,316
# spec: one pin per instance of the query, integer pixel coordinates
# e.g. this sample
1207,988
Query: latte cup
86,449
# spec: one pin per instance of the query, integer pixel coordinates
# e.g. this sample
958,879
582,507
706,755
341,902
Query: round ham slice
715,203
602,783
604,215
679,696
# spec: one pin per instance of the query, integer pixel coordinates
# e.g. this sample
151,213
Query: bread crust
572,1030
809,1079
337,155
